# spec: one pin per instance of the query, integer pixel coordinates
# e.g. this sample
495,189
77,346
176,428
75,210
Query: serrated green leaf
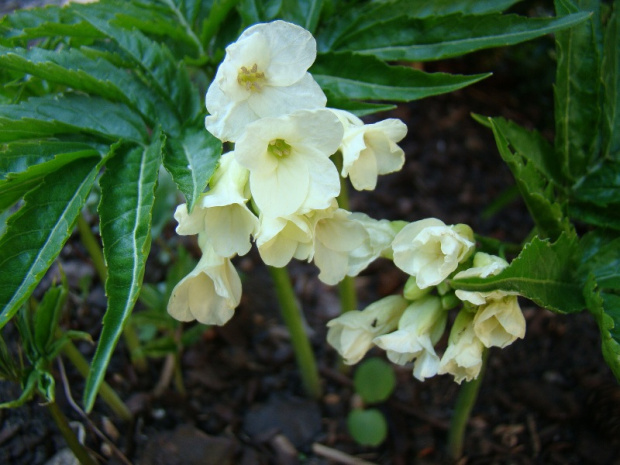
169,77
71,113
367,78
599,252
435,38
36,233
302,12
577,92
127,196
601,186
519,154
95,76
23,165
191,160
544,272
611,87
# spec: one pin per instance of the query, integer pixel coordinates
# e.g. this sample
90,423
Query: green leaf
577,93
71,113
424,8
23,165
169,77
46,317
374,380
27,392
367,427
435,38
600,257
302,12
94,76
367,78
357,108
127,195
191,160
604,217
544,272
37,232
611,87
524,153
601,186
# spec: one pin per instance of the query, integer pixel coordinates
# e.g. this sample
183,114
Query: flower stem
107,394
291,313
465,402
96,254
78,449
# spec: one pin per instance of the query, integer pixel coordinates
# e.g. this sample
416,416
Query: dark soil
548,399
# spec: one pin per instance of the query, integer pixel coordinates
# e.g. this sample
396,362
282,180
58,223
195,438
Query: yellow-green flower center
279,148
251,79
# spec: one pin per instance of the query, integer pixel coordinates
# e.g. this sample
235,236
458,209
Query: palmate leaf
37,232
169,78
611,87
95,76
544,272
70,113
368,78
191,160
127,196
577,91
435,38
24,165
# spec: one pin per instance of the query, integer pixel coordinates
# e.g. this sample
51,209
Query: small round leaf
374,380
367,427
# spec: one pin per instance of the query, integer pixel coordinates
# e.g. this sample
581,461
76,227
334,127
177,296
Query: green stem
462,410
96,254
291,313
107,394
78,449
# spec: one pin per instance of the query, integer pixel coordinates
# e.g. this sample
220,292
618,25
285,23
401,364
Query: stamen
251,79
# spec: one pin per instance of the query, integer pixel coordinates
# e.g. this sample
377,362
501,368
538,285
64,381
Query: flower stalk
61,421
291,313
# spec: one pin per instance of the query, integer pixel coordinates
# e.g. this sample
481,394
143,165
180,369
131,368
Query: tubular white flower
221,213
379,239
280,239
210,293
263,74
463,357
430,250
419,329
499,320
352,333
369,150
288,160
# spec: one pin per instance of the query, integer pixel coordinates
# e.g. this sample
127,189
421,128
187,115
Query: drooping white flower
221,213
352,333
463,356
263,74
289,164
499,320
430,250
419,329
369,150
380,235
280,239
210,293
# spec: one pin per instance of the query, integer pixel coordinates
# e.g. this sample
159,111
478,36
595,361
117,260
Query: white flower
209,293
263,74
430,250
369,150
288,159
352,333
463,357
419,329
499,320
379,238
282,238
222,212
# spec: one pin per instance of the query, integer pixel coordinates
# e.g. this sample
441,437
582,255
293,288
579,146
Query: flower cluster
279,186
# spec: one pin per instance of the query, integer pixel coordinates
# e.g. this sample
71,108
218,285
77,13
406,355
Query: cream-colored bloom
499,320
369,150
263,74
221,213
289,164
352,333
430,250
463,357
379,237
210,293
282,238
420,327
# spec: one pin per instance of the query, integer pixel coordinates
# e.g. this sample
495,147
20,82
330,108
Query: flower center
279,148
251,78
